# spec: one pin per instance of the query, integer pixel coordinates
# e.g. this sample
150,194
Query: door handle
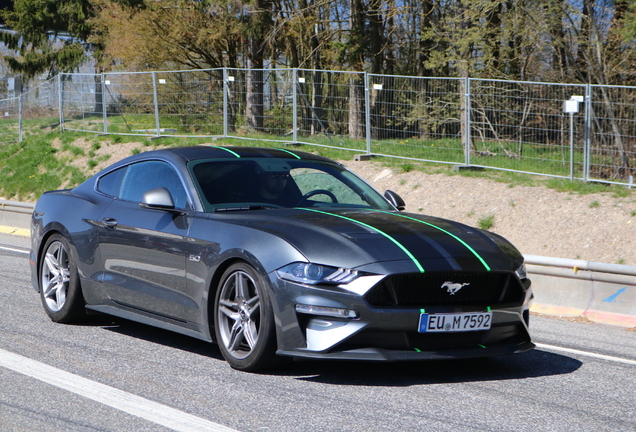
110,222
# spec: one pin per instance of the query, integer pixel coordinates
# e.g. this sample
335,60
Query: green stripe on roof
228,150
444,231
287,151
397,243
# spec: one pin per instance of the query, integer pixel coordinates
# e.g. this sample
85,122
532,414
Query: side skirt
148,320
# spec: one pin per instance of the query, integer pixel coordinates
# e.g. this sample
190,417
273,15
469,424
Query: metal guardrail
16,214
581,265
602,292
17,207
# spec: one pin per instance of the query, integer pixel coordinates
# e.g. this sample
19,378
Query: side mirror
395,199
158,198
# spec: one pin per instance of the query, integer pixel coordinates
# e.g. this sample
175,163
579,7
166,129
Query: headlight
313,274
521,272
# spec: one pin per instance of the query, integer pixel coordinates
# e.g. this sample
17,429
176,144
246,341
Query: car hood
359,238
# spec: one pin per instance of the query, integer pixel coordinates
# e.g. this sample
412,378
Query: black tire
60,289
244,320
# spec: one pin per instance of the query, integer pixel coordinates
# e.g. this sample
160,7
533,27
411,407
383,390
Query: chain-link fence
506,125
10,130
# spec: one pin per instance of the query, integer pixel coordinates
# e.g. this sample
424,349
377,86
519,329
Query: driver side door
143,250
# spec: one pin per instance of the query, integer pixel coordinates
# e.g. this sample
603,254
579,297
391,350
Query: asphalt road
113,375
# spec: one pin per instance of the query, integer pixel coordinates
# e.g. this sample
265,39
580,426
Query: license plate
459,322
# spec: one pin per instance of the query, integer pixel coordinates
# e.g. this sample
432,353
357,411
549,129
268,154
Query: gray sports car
275,253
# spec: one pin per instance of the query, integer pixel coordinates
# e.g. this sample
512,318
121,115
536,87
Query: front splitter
378,354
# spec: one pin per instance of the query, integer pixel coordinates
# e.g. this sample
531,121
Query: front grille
433,289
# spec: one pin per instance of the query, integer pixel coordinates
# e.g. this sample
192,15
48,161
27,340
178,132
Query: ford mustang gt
272,254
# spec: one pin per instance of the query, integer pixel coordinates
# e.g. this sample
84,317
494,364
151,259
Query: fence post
587,132
59,101
367,111
571,146
154,95
467,127
226,89
295,105
20,114
104,104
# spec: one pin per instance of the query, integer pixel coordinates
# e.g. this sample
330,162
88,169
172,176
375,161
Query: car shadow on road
533,364
154,335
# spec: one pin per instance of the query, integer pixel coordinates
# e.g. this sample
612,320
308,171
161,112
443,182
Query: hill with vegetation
541,216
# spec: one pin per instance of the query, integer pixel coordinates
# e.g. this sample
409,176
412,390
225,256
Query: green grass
577,186
35,165
407,167
29,168
486,222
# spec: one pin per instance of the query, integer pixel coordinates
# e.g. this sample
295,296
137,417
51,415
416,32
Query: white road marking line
152,411
14,250
588,354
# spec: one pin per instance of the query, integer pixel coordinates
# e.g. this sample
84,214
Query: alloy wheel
56,276
239,314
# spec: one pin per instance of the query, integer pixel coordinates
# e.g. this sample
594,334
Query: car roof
207,152
192,153
181,156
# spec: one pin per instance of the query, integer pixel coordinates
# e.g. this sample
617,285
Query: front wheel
244,320
60,289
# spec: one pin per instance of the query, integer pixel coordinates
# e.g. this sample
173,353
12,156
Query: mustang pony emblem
453,287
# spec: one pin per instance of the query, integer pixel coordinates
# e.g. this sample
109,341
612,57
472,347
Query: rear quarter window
110,184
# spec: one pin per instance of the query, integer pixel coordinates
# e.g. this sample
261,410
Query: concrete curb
15,231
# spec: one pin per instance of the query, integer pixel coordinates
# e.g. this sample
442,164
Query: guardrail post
156,101
367,111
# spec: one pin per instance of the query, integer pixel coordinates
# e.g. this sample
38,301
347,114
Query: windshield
287,183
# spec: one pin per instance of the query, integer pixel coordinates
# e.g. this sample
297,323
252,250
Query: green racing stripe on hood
397,243
474,252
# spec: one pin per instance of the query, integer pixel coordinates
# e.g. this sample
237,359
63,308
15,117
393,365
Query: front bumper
389,333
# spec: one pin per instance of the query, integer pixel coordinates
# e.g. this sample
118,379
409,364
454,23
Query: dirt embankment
538,220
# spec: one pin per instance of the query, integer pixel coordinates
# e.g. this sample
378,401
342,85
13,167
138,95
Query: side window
110,184
144,176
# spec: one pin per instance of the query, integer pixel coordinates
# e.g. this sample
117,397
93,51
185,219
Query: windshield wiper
246,208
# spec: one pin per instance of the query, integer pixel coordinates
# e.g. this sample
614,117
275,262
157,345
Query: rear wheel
244,320
60,289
